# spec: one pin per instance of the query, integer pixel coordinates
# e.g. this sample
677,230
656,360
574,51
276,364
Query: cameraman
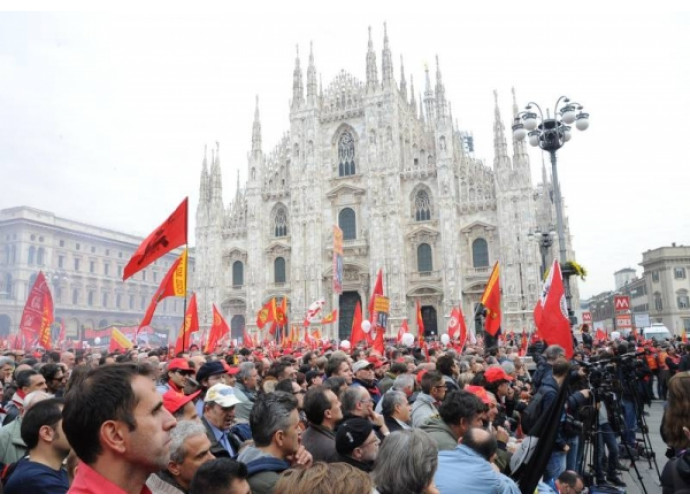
629,374
606,435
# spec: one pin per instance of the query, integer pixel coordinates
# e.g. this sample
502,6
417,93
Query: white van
657,332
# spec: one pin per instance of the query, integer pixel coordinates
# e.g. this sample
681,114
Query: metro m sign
621,303
586,317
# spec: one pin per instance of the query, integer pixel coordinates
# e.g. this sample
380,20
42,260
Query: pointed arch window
422,206
424,259
348,223
237,274
346,155
279,270
480,253
281,223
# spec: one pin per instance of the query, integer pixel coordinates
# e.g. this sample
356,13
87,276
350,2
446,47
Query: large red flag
218,330
168,236
191,324
357,335
37,316
174,284
492,302
553,324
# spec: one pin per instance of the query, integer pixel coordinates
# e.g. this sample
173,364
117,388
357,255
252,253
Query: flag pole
184,310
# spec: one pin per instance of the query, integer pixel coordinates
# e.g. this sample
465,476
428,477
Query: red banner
37,317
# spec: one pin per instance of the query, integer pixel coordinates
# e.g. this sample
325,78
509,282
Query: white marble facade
391,168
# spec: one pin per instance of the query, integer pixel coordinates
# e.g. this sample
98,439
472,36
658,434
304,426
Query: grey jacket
422,409
441,433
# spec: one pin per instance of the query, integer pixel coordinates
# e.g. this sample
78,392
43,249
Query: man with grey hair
245,390
189,448
406,464
404,382
275,425
396,410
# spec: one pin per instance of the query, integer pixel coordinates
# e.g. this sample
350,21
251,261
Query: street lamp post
545,240
550,134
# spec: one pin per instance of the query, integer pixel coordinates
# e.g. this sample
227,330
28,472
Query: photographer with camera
606,424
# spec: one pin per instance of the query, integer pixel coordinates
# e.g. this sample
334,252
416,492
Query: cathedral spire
203,187
403,82
386,61
311,77
237,189
440,93
429,105
413,101
256,129
500,146
520,156
297,86
372,72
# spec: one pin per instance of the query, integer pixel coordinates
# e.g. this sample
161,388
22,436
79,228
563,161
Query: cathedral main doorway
430,322
347,304
237,327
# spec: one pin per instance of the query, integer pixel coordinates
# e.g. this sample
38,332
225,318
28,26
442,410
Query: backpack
532,413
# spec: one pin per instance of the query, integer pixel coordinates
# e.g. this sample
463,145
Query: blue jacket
465,471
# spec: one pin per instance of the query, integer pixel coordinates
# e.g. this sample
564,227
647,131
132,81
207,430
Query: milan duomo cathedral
399,179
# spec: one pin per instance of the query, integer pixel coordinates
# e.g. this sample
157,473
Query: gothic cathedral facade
395,174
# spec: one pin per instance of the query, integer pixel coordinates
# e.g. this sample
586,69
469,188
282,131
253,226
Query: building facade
666,276
660,295
391,169
83,267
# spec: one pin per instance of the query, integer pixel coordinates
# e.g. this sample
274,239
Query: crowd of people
338,421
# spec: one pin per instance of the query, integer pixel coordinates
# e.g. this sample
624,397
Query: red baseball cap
496,373
172,401
376,362
179,364
480,392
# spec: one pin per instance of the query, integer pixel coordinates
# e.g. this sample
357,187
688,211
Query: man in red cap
177,376
181,406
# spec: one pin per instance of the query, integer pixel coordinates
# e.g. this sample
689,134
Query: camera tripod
594,434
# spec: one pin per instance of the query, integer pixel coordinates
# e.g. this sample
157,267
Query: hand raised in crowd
302,458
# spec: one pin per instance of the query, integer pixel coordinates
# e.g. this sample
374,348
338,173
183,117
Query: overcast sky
104,115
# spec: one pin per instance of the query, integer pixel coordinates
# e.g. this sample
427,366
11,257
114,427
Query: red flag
420,322
168,236
455,323
601,335
247,340
492,302
330,318
37,316
403,329
378,290
191,324
281,313
266,314
218,330
357,335
553,324
174,284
